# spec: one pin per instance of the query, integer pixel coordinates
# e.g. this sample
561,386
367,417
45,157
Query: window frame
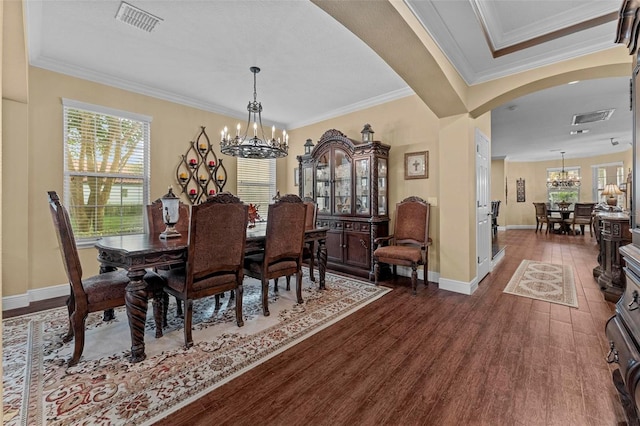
243,183
145,121
571,171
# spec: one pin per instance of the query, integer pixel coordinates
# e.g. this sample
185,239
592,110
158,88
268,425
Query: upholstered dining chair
552,220
541,216
308,250
282,255
155,222
93,294
217,237
410,241
582,215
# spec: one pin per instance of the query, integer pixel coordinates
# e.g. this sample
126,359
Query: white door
483,204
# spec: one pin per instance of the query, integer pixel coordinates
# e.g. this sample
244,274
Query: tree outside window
105,170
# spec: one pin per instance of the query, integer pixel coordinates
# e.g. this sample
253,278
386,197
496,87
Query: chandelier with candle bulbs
563,179
244,146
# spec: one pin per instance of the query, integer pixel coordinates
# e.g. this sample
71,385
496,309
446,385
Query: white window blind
106,169
257,182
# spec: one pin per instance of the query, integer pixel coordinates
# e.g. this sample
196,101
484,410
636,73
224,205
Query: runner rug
544,281
105,388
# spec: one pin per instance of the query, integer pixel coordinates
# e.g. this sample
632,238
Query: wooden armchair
409,244
282,255
96,293
582,215
217,237
495,212
551,219
541,215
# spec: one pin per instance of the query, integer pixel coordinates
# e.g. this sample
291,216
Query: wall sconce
170,214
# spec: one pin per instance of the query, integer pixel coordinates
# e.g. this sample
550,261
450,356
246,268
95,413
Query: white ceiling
313,68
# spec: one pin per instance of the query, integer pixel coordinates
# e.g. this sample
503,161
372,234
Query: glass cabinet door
307,182
323,184
363,191
382,186
342,180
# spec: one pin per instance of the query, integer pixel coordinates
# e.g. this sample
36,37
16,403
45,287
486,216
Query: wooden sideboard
612,232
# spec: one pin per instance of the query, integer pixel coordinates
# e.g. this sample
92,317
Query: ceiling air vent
591,117
137,17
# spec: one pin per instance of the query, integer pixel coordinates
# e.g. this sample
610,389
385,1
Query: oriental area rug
104,388
544,281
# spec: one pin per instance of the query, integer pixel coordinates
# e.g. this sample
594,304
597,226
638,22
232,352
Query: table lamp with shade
612,190
170,214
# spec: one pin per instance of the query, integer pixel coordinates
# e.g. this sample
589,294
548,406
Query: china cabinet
348,181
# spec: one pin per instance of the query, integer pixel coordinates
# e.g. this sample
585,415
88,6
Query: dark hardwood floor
441,358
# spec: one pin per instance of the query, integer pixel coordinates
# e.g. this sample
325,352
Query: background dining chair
282,255
541,215
93,294
582,215
155,221
552,220
217,237
495,212
409,243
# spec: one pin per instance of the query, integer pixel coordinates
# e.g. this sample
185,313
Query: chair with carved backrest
551,219
582,215
308,251
282,255
495,212
96,293
157,225
541,215
217,237
409,243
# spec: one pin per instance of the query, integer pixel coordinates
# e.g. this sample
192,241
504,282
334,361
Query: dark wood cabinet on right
348,181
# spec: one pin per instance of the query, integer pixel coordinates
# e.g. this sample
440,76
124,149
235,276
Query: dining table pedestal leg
136,300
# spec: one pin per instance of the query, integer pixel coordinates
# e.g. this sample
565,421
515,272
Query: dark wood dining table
565,227
136,253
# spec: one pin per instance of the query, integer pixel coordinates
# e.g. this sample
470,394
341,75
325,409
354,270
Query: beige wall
513,213
37,160
407,125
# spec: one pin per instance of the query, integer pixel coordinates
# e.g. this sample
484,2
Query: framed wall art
416,165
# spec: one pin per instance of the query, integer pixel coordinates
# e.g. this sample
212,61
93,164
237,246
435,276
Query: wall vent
137,17
591,117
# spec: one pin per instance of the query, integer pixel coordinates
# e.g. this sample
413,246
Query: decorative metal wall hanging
199,172
520,195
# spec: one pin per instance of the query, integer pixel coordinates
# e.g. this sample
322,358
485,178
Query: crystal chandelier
563,180
254,147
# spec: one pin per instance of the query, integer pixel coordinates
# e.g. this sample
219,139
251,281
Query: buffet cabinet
612,232
622,333
348,181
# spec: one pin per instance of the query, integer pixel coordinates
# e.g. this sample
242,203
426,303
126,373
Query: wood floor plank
440,357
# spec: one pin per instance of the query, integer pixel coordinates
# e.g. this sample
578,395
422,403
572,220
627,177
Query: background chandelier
563,180
254,147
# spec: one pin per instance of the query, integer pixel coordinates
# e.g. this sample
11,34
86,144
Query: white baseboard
458,286
23,300
520,227
405,271
498,258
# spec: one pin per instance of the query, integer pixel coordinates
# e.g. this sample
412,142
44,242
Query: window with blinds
257,182
106,169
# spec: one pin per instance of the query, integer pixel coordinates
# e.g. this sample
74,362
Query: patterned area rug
105,388
544,281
